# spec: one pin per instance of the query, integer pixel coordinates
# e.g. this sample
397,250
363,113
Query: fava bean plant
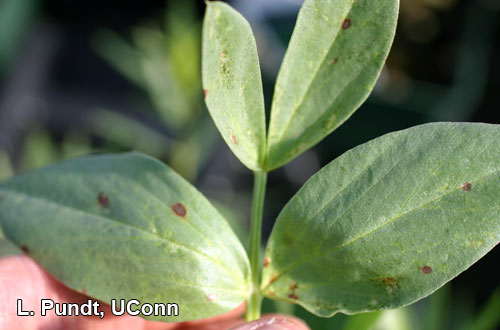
382,226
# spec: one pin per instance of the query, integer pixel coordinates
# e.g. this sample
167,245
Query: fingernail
273,323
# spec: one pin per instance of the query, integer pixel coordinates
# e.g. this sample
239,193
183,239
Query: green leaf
388,222
232,83
334,58
127,227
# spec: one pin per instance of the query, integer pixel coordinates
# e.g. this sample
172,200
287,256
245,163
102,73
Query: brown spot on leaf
205,93
288,240
103,200
212,297
273,279
293,296
334,61
293,286
426,270
233,139
267,260
389,281
346,23
272,293
25,249
467,186
179,209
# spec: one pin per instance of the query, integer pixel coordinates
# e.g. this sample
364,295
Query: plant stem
259,191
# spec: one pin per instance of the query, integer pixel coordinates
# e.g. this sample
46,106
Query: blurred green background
80,77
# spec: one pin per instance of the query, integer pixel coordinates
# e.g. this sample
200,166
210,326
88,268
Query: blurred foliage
164,61
402,83
15,18
128,132
41,149
234,219
6,248
489,317
164,64
5,166
419,18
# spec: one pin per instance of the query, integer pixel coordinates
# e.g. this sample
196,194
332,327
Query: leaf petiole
254,301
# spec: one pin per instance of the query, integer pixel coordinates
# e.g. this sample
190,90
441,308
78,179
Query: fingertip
22,278
274,322
223,321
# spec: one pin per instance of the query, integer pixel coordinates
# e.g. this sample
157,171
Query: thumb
274,322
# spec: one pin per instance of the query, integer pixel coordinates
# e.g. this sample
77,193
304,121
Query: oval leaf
232,83
390,221
334,58
127,227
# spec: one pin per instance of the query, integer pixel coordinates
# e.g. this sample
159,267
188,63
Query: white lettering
71,309
20,311
46,305
134,307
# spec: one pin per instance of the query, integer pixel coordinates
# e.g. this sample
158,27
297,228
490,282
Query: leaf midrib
381,153
429,247
373,185
117,222
354,240
176,283
313,77
167,209
257,161
326,204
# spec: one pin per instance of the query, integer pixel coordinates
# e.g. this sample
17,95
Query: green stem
259,191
